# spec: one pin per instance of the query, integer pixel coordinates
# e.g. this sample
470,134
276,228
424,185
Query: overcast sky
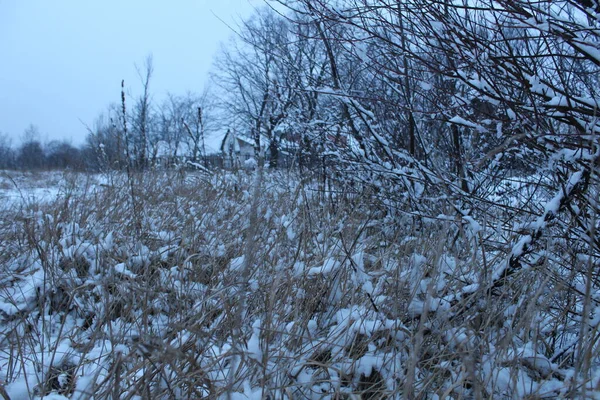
62,61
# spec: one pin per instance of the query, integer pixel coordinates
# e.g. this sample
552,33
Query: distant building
236,149
165,154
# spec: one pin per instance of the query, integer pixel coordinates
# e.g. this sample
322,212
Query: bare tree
31,152
141,118
105,142
199,122
7,153
257,79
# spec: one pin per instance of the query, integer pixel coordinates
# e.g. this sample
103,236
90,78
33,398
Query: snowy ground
28,187
20,188
173,287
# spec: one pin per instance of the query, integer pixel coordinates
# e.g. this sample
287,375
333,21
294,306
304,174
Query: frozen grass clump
169,286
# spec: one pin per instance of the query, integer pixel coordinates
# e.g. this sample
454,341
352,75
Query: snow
237,263
121,268
248,393
474,226
29,195
250,163
327,268
587,48
331,296
254,350
461,121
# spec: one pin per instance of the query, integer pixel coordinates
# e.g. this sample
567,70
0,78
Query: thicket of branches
140,133
33,154
455,106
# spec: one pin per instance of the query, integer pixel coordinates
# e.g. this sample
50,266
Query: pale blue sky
62,61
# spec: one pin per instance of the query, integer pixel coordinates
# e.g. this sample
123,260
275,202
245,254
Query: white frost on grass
328,266
121,268
328,313
254,350
29,195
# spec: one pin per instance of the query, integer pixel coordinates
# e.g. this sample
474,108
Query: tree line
139,133
34,154
408,91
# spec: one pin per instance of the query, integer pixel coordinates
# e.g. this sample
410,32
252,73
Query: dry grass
341,299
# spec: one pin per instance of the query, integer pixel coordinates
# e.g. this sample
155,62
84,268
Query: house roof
238,140
286,145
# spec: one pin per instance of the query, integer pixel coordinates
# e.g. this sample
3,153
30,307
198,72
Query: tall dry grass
217,288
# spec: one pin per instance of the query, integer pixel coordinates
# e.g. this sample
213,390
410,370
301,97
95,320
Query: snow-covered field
21,188
28,187
203,287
